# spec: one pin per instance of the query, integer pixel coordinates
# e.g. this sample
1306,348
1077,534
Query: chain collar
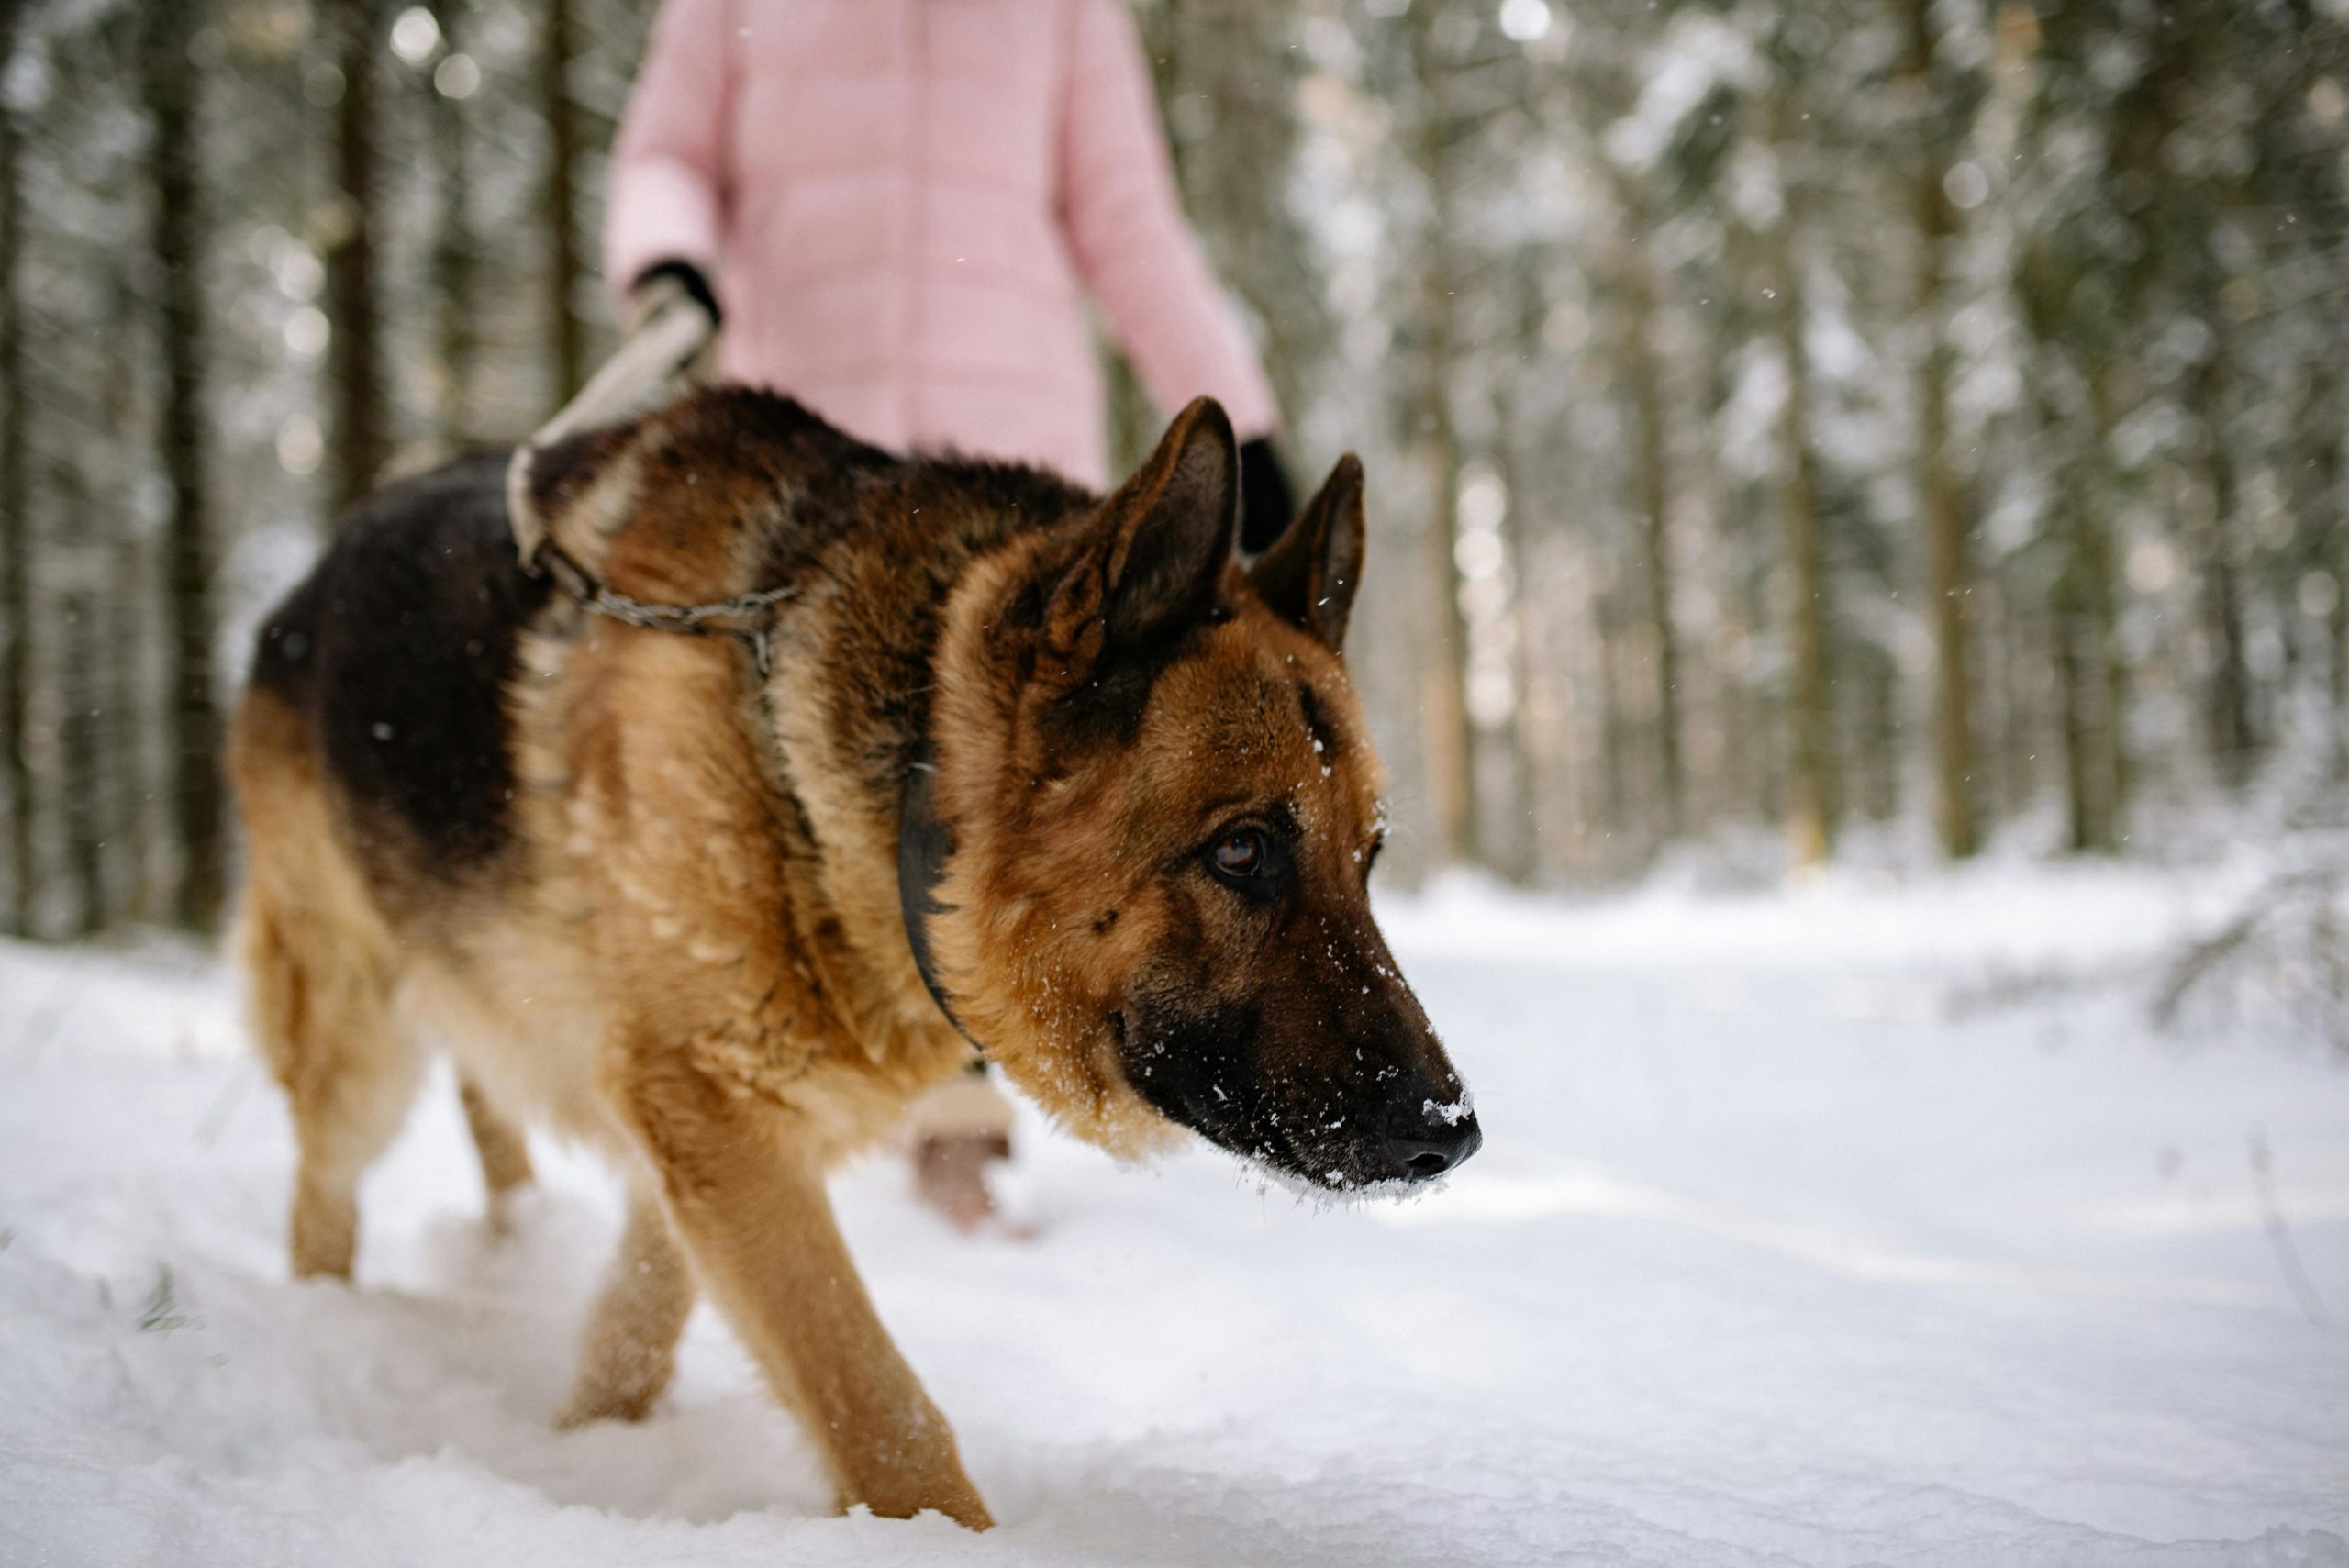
924,842
754,609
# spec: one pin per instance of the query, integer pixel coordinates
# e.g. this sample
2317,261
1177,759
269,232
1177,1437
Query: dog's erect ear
1163,540
1310,574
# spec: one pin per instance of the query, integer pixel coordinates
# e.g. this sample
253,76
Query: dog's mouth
1314,1136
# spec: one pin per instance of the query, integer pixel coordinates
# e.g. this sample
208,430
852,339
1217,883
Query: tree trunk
1523,848
1810,784
1948,530
2340,645
453,251
1729,780
81,759
565,337
361,441
2012,750
2104,582
130,613
1643,374
196,795
2320,201
1880,734
1614,789
129,692
16,519
2078,654
2085,637
2071,687
1450,745
2227,719
2320,436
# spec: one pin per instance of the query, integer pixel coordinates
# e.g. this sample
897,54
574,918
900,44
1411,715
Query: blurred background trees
1885,424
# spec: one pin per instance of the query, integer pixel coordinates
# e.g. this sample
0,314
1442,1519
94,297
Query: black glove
688,277
1266,503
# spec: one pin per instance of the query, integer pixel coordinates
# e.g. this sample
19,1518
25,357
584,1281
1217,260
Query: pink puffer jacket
902,202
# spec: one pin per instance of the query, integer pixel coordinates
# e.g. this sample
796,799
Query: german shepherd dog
1012,763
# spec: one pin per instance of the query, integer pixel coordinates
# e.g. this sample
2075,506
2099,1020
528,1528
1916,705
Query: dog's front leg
753,1212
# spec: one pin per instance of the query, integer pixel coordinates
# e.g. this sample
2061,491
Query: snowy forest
1782,421
1854,624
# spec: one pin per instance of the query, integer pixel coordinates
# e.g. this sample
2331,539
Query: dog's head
1165,807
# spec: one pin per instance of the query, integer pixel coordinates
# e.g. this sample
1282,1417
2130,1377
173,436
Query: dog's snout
1427,1140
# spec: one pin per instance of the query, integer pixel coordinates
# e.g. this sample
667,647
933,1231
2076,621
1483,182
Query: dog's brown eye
1241,854
1251,861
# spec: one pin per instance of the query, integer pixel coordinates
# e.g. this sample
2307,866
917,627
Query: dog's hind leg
322,1008
504,1151
321,966
630,1351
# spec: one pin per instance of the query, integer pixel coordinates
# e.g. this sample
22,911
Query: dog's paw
599,1401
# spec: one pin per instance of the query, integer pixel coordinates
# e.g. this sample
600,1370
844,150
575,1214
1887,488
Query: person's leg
955,1132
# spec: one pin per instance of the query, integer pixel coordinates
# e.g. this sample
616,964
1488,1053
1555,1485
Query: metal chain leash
691,620
673,335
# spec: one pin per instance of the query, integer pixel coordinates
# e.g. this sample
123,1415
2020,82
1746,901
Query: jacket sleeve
667,194
1131,243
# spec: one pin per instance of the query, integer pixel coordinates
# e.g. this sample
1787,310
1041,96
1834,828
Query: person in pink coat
897,209
900,208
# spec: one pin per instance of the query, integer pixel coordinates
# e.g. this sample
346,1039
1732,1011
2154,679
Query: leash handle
656,353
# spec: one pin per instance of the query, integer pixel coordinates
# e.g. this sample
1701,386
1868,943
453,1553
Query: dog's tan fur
692,954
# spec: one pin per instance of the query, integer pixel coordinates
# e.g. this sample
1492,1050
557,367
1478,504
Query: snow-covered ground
1777,1253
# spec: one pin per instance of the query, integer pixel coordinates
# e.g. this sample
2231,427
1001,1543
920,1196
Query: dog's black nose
1425,1142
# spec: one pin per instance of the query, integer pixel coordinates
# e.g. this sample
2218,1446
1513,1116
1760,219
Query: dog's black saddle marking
399,647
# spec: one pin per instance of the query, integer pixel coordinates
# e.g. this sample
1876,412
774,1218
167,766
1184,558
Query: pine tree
171,87
361,442
558,47
16,512
1948,528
